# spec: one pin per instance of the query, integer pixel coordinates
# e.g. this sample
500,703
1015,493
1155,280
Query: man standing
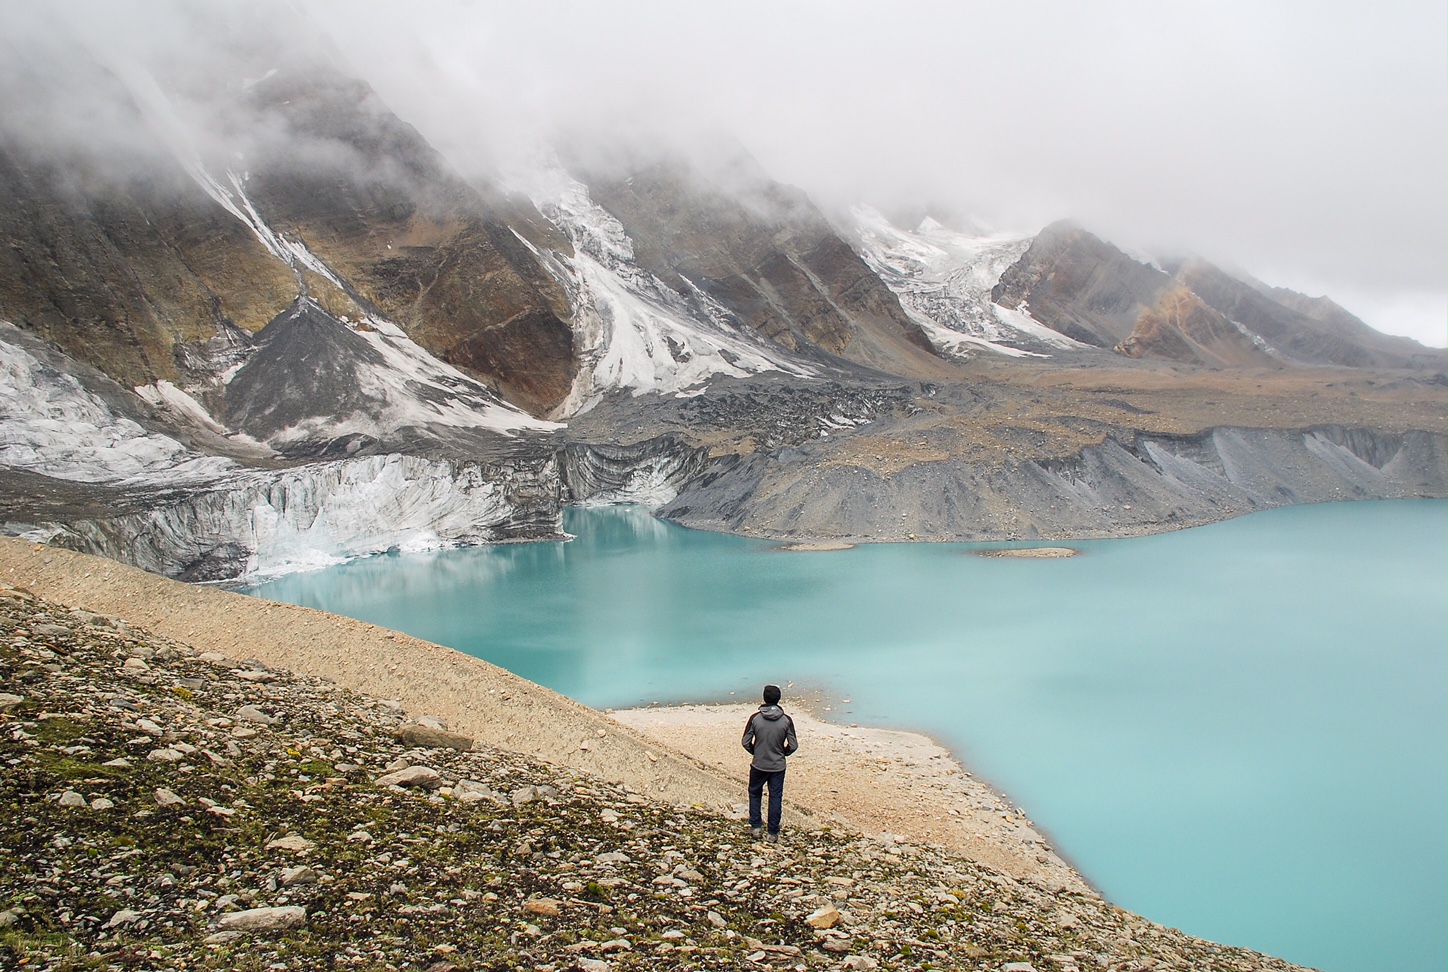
769,736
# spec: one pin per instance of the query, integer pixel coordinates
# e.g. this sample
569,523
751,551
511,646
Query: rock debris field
163,808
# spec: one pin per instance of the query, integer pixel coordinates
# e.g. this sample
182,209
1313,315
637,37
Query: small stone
826,917
70,798
9,918
471,791
716,919
250,713
295,843
426,737
264,919
122,918
9,701
244,732
859,962
167,798
594,965
673,934
120,762
546,907
101,803
135,666
1018,967
418,776
221,937
292,876
167,755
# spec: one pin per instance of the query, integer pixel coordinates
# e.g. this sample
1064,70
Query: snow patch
164,395
635,333
417,389
50,424
944,280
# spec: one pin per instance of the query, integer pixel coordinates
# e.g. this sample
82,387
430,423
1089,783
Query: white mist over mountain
1301,142
1304,142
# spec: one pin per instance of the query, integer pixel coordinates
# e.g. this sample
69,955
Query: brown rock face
1080,285
1087,289
1301,328
411,239
124,277
767,254
134,269
1197,313
1182,328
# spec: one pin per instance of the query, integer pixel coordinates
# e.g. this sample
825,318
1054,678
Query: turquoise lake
1237,730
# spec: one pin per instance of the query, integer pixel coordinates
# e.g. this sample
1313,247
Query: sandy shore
882,782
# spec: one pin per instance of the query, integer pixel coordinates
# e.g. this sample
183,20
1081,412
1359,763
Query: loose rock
418,776
264,919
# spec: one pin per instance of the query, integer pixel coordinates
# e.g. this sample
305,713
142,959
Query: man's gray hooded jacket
769,735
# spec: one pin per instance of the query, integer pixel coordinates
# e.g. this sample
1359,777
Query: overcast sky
1303,142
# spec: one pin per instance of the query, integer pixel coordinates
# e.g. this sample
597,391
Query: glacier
50,423
268,523
943,278
636,334
211,518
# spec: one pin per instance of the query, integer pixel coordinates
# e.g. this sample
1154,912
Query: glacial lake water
1237,730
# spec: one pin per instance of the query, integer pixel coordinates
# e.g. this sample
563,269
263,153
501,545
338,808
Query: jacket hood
771,711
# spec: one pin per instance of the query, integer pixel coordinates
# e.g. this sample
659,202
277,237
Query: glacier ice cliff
265,523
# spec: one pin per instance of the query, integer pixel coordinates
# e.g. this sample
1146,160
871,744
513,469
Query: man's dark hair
771,694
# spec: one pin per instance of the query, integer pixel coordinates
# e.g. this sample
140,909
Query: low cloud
1300,141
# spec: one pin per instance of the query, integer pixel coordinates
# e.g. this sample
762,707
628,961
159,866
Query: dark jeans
758,779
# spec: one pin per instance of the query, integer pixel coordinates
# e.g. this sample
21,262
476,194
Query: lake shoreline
890,784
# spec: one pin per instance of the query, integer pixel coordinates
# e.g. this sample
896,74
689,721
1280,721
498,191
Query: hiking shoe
773,838
758,832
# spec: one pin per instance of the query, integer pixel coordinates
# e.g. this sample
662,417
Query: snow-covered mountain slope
944,278
634,333
211,518
314,379
51,423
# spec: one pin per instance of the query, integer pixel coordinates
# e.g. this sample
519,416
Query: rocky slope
1187,310
766,253
945,279
177,808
